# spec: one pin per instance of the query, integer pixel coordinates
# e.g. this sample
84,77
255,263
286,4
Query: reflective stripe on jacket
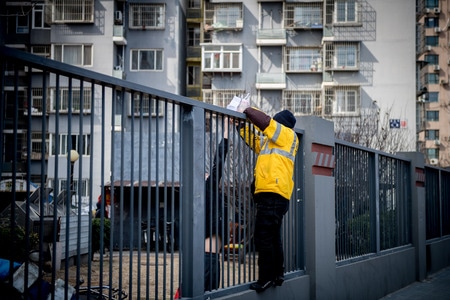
276,149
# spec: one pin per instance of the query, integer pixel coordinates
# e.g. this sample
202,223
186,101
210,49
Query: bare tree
372,129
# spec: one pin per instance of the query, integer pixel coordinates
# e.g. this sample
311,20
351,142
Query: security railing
122,201
437,202
373,202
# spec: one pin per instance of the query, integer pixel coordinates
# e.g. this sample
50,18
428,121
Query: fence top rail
374,151
82,74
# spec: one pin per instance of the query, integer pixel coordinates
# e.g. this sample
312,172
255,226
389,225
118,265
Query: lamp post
73,157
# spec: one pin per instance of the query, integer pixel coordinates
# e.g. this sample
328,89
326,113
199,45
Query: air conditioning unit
437,29
428,10
434,161
437,67
444,82
437,142
239,23
428,48
437,10
118,17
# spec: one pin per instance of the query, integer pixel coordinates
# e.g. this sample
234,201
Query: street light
73,157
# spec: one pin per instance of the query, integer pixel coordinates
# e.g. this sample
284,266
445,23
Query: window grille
72,11
146,60
303,59
222,58
223,16
342,56
303,102
80,143
304,15
37,101
64,94
342,100
146,107
147,16
220,97
38,147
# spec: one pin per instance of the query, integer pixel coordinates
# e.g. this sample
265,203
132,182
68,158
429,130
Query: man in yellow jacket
276,147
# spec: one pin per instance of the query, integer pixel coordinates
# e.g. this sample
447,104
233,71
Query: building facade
343,60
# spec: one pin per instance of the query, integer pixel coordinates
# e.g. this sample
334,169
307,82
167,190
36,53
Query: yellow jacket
276,149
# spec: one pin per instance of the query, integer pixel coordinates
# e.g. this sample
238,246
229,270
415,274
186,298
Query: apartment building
342,60
433,61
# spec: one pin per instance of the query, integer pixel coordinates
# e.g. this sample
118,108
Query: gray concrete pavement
435,287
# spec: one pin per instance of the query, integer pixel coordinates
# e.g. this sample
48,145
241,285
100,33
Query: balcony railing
271,37
270,81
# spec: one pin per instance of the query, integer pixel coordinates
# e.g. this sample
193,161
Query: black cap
286,118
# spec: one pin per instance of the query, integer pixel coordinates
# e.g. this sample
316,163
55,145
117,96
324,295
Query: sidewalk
435,287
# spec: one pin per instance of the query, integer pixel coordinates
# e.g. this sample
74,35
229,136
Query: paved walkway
435,287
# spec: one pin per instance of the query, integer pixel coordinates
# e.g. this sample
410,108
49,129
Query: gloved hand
245,102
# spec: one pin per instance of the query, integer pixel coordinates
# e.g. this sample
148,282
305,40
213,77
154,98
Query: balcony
270,81
271,37
119,35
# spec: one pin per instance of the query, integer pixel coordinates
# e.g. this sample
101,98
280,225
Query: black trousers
271,208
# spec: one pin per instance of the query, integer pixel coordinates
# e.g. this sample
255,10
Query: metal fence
437,202
141,162
373,201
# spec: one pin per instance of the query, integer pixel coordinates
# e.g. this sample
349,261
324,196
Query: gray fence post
418,211
192,201
320,258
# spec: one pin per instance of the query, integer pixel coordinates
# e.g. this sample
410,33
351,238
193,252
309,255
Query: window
341,56
433,96
146,60
65,93
432,40
431,22
223,16
303,15
62,185
432,59
432,115
147,16
194,75
303,59
222,58
432,134
80,143
38,147
432,78
433,153
38,17
345,11
37,101
73,11
342,100
21,23
194,3
146,106
78,55
221,97
43,50
193,36
303,102
431,3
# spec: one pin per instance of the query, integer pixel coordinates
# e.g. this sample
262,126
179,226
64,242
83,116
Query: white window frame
22,24
299,59
342,100
223,16
137,60
222,58
62,184
148,108
62,11
221,97
304,15
83,54
342,56
63,147
39,12
64,100
155,15
303,102
343,13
